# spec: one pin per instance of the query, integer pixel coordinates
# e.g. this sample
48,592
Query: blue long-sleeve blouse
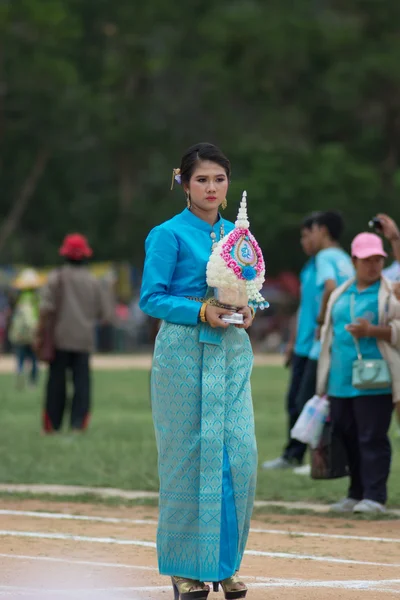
177,254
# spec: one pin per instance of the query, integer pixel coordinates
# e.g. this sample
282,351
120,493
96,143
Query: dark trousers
363,423
23,353
302,385
308,384
56,397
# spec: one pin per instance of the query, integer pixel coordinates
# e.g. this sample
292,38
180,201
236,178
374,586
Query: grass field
119,448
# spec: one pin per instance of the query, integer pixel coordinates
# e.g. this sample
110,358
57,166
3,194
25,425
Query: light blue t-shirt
343,349
330,263
307,313
393,272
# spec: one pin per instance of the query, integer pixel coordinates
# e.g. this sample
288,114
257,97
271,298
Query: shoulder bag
45,345
369,374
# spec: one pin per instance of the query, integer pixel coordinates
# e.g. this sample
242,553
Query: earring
188,201
224,204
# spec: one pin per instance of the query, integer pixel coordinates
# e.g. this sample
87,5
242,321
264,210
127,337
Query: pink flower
232,265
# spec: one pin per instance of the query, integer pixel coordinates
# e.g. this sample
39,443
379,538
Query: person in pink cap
362,323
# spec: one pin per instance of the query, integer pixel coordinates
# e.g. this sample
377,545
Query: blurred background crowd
98,100
133,331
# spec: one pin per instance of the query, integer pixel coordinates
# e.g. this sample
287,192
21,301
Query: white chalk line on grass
67,594
327,559
331,536
68,517
76,538
36,590
385,585
84,563
258,582
116,520
122,542
356,584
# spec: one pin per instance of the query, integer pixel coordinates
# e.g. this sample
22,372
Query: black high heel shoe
189,589
231,588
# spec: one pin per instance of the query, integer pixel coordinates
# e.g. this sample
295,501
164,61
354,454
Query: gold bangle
203,309
253,312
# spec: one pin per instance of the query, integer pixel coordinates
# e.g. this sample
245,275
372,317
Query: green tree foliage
99,99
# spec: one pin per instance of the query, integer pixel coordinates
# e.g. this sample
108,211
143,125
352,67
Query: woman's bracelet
203,309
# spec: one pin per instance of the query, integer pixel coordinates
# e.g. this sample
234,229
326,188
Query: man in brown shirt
80,302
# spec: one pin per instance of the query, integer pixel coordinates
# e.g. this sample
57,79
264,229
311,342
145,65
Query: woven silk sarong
204,424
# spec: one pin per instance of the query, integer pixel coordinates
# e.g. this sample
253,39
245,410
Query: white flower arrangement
236,268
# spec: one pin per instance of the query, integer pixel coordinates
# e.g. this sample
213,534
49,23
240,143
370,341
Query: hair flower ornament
176,176
236,268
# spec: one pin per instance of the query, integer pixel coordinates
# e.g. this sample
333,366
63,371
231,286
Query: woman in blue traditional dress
201,396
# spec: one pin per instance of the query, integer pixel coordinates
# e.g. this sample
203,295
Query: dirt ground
69,550
48,551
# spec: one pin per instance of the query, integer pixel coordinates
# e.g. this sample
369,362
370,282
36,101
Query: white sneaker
369,506
303,470
277,463
345,505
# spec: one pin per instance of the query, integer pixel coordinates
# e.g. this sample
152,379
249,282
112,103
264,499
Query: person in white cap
359,370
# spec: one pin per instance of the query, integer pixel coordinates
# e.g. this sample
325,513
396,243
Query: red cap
76,247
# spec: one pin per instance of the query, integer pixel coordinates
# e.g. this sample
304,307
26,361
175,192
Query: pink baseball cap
365,245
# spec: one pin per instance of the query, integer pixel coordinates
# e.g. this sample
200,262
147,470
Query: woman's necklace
213,236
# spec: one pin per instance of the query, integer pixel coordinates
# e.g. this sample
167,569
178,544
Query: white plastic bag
309,425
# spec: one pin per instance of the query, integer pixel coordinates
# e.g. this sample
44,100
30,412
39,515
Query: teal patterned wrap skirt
204,425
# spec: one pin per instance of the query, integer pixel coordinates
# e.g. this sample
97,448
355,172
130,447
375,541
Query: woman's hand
214,314
248,318
360,329
363,329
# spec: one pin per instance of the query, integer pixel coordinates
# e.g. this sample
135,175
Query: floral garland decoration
237,262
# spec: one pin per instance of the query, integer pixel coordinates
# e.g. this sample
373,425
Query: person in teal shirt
299,348
358,324
333,266
307,313
354,304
